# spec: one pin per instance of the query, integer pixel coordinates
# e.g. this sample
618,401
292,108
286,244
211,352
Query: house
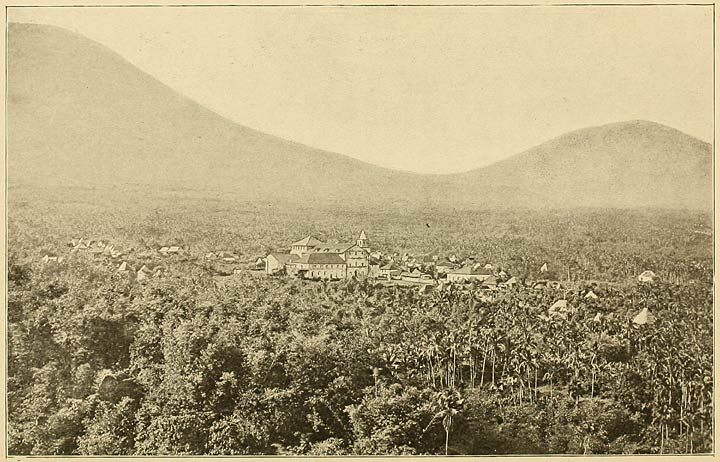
444,266
304,246
126,270
390,271
175,250
51,258
275,262
591,295
469,273
260,263
644,317
490,283
144,273
489,266
559,308
647,276
322,265
544,268
412,276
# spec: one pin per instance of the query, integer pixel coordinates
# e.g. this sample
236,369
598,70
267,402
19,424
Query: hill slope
79,114
626,164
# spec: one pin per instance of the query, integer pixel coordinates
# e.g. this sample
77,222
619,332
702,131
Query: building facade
313,259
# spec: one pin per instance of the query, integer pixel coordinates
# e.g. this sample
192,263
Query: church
311,258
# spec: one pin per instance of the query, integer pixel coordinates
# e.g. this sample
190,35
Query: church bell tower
362,240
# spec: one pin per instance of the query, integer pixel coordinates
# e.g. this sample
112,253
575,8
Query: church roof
322,258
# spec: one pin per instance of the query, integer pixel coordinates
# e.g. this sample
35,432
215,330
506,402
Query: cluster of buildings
97,248
311,258
146,271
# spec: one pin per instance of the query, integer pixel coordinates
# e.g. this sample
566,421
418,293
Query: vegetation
181,364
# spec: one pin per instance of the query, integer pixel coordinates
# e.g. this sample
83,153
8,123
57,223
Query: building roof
644,317
491,281
362,235
390,267
472,270
308,242
282,258
322,258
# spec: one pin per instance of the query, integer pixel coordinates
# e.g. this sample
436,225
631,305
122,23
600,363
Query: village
312,259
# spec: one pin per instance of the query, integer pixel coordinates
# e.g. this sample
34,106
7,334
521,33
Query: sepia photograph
347,230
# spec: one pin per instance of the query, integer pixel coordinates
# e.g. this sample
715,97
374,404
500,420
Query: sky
422,89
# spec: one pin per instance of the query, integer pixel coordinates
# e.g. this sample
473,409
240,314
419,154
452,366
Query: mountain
81,115
626,164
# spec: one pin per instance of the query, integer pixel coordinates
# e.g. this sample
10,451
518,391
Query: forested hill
81,115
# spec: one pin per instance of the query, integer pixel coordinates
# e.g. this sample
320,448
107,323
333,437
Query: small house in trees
644,317
444,266
647,276
591,295
469,273
490,283
126,270
559,308
260,263
412,276
544,268
144,273
390,271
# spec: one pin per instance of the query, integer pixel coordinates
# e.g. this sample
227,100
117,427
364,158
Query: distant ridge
81,115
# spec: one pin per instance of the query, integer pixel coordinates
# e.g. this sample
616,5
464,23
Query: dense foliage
186,364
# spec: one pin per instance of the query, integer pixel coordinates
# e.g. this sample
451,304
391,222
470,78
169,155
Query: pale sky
424,89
